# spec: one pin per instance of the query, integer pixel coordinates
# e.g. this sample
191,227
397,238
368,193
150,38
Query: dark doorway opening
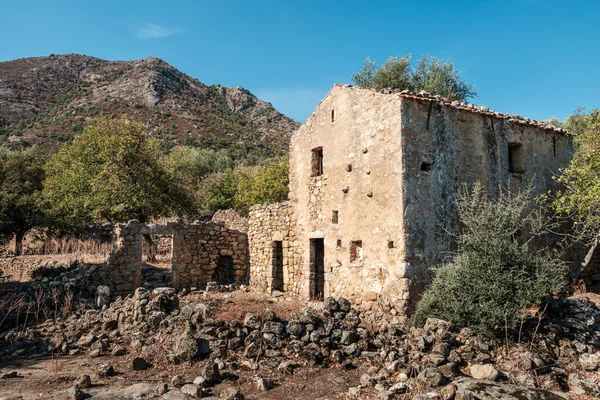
317,269
223,272
277,265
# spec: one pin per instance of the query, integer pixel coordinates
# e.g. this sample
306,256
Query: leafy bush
263,185
498,272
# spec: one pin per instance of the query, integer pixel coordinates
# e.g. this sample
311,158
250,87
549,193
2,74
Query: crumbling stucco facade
374,179
201,253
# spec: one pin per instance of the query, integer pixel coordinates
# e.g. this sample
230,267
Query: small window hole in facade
334,217
224,271
338,243
317,269
356,252
390,244
317,161
516,158
332,115
277,274
426,166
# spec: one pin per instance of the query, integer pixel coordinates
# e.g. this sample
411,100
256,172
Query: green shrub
501,268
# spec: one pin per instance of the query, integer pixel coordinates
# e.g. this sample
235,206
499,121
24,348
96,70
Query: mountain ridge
47,100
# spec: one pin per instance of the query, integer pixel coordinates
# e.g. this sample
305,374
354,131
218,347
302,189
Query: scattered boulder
468,388
84,381
106,370
178,381
191,390
75,393
485,372
264,384
580,385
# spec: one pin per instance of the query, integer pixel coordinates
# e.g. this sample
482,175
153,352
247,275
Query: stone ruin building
374,179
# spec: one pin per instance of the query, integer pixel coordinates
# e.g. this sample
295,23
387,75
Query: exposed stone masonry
266,225
201,253
231,219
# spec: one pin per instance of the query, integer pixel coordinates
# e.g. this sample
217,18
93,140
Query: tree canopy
431,75
580,196
21,177
112,172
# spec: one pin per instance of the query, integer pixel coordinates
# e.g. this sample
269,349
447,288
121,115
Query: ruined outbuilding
200,253
374,179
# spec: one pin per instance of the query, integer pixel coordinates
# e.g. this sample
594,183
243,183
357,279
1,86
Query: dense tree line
114,171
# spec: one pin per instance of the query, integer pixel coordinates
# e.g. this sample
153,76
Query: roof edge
425,96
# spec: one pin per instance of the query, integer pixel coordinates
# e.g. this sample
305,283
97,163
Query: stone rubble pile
158,327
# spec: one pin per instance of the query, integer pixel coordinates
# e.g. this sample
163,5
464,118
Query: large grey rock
485,372
579,385
191,390
470,389
431,377
589,362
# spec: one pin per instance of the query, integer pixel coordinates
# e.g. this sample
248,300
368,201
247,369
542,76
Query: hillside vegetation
48,100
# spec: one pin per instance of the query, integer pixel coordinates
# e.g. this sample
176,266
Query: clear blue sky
536,58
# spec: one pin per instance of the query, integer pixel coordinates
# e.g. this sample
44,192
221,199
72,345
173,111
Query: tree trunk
150,248
19,243
588,257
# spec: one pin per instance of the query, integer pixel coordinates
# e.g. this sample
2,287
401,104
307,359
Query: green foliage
111,172
580,196
264,185
431,74
218,190
577,123
21,177
498,273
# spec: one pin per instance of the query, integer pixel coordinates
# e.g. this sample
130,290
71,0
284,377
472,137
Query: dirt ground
51,377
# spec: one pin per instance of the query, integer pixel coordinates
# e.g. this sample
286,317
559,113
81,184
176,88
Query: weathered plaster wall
462,148
362,180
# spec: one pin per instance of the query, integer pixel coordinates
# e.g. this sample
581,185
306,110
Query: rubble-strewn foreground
183,351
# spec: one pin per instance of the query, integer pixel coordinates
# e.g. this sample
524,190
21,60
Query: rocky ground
166,345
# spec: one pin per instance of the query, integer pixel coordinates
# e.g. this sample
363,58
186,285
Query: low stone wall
231,219
268,224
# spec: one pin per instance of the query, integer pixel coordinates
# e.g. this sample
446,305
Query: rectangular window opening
334,217
317,161
390,244
338,244
516,158
332,115
426,166
356,251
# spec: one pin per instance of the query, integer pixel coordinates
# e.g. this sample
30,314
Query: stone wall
268,224
209,252
231,219
201,253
